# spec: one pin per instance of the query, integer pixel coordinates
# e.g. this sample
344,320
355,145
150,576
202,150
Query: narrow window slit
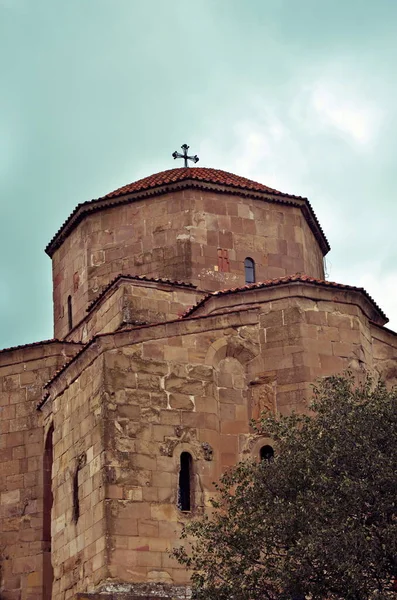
70,313
48,573
80,463
185,482
76,503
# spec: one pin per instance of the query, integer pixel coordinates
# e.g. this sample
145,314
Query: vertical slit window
185,482
70,313
249,266
47,507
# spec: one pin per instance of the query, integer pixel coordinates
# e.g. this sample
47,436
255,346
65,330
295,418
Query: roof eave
288,281
84,209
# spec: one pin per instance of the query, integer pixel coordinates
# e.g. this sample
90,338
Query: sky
298,94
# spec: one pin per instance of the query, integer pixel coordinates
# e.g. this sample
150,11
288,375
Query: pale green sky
298,94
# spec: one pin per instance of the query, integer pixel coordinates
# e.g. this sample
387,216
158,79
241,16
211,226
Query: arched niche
230,374
233,346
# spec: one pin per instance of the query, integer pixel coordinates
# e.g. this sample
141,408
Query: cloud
278,140
333,105
312,145
349,116
262,147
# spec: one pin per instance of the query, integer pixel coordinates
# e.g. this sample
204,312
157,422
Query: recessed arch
231,347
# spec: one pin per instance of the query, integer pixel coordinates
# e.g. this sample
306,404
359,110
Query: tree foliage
320,520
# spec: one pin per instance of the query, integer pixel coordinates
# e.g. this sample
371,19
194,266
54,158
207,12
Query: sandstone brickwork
24,554
113,438
178,236
192,386
129,301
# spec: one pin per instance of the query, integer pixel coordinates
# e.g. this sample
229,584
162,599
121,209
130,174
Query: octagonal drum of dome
193,225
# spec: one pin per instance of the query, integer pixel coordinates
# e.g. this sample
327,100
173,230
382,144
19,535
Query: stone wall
159,398
384,344
78,514
193,236
23,550
186,386
130,302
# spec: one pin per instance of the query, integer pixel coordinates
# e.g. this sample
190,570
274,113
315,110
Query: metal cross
185,148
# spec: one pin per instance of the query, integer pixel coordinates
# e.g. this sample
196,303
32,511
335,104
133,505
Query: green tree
318,521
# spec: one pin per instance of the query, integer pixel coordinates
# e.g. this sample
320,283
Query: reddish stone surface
179,235
89,502
23,546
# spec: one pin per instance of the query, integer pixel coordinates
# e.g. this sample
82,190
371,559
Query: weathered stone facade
151,371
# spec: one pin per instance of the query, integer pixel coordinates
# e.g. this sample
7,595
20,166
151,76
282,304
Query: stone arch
231,347
254,444
187,447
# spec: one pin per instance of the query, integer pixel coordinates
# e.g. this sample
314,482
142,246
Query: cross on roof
185,148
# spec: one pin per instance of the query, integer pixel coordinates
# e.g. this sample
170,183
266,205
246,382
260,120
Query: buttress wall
129,302
78,511
24,548
188,386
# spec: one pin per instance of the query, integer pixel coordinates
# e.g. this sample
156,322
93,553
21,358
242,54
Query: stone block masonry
186,386
24,554
178,236
112,438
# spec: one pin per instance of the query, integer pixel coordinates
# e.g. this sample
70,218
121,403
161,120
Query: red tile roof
195,174
42,343
283,280
186,177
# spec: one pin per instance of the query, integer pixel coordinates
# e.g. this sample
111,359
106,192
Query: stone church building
184,304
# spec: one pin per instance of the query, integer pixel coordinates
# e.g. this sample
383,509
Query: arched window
47,506
266,453
249,266
70,314
185,482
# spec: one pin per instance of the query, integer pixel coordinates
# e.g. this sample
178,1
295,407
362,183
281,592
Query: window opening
185,480
48,574
70,314
249,266
80,463
266,453
76,502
